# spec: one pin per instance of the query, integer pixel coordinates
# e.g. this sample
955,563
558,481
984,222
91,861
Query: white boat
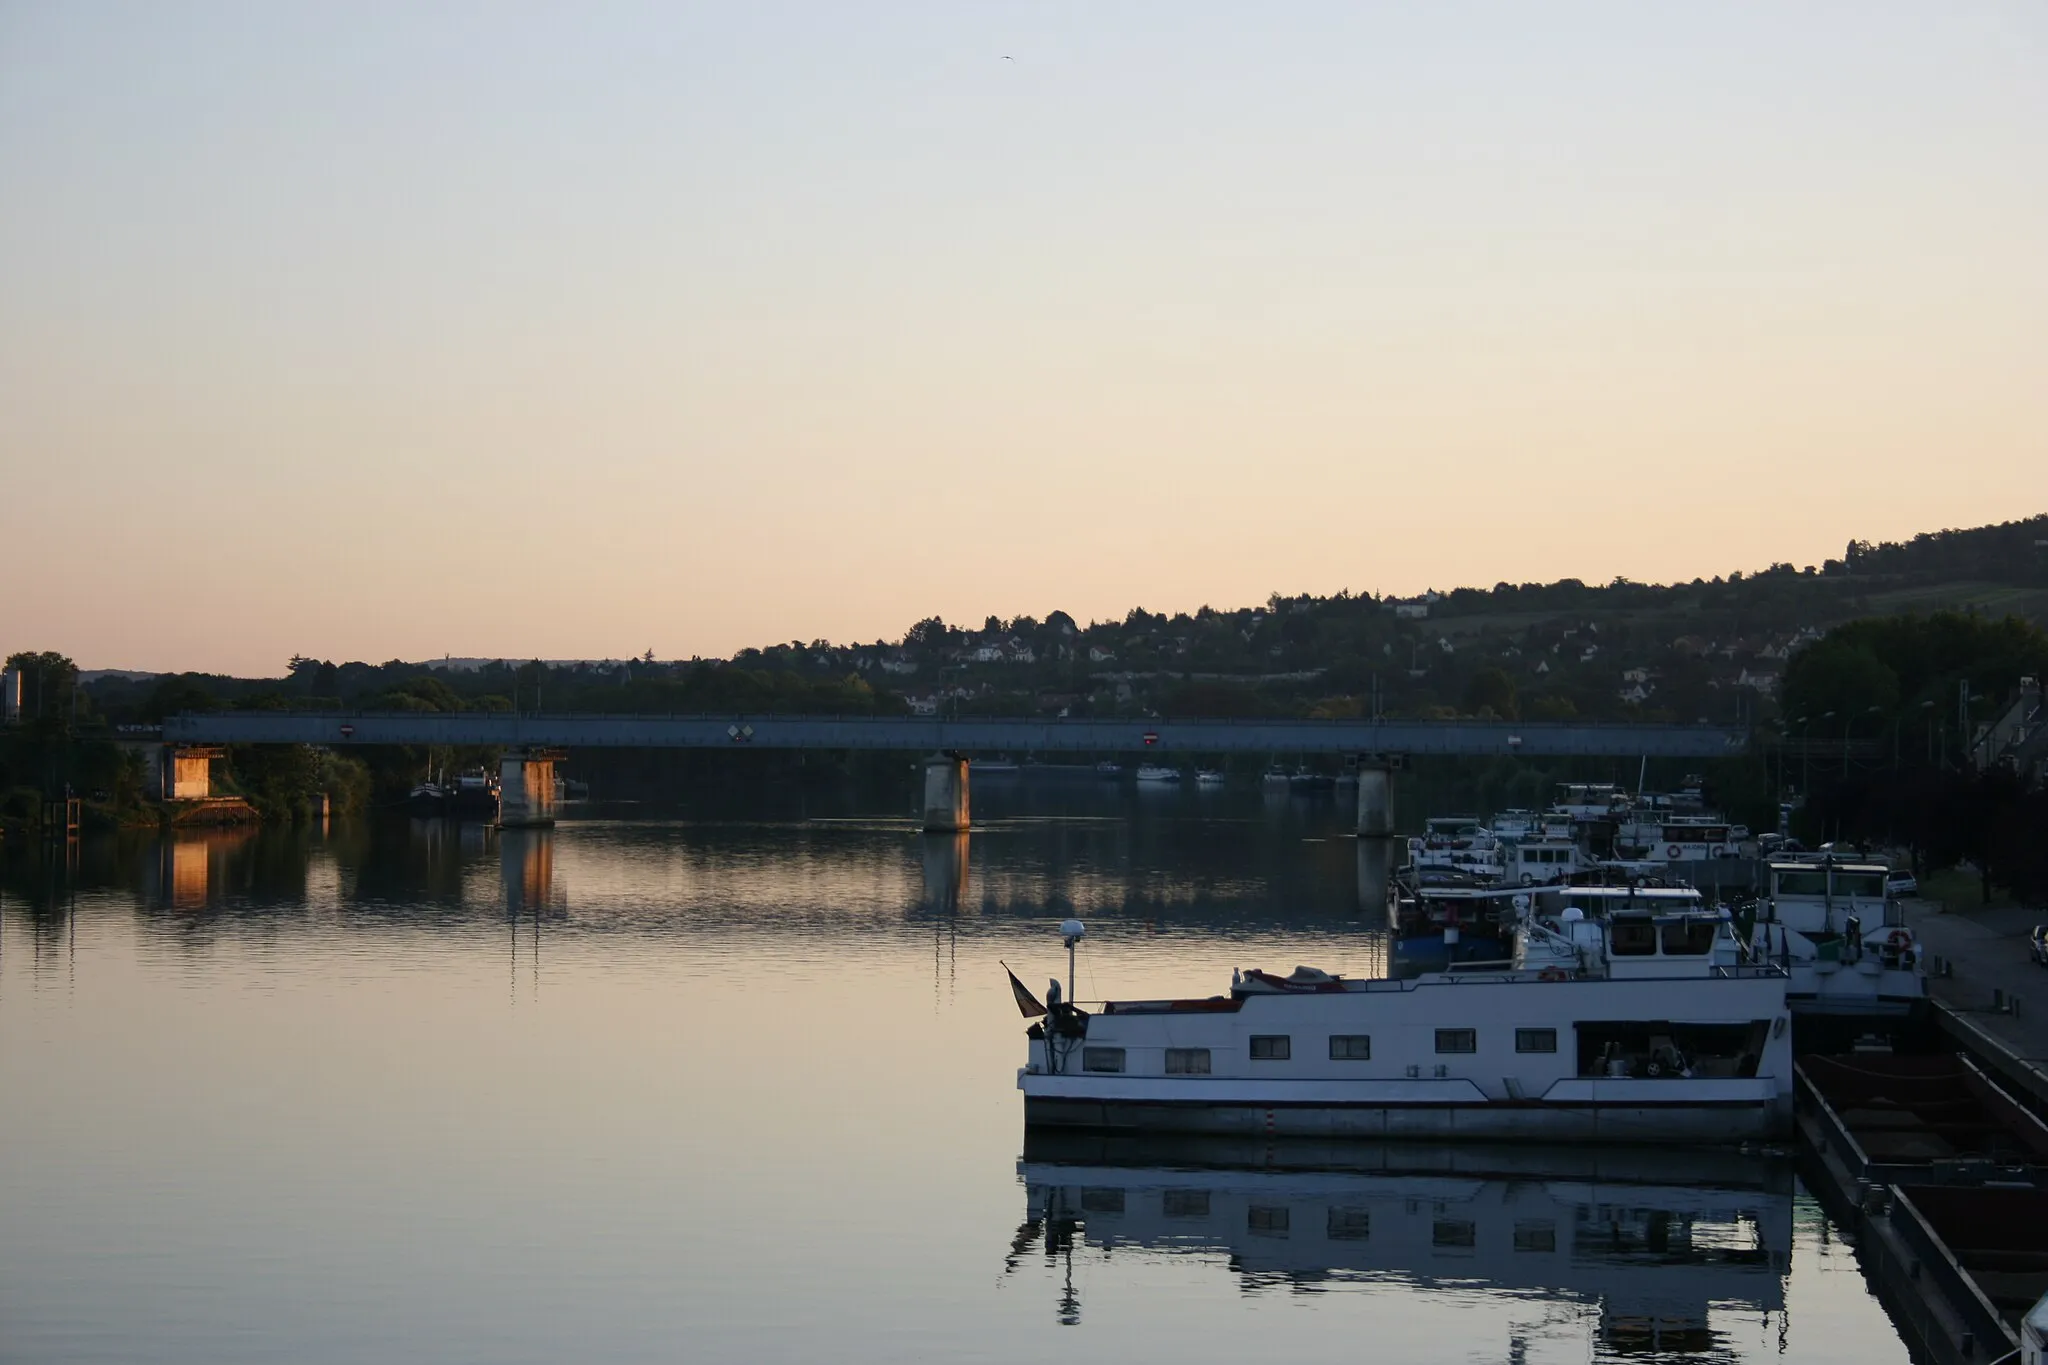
1539,859
1592,801
1155,773
1838,930
1208,777
1644,1027
1677,839
1457,843
1275,776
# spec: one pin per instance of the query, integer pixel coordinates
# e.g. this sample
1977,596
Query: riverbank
1992,998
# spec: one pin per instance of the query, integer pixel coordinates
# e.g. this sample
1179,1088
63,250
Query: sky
379,330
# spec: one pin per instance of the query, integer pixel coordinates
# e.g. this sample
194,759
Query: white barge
1642,1027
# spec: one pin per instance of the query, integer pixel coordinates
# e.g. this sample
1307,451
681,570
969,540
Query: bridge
534,741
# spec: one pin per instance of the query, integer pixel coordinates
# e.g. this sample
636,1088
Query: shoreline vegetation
1866,680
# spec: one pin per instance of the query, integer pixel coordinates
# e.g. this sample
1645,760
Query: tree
1491,690
47,682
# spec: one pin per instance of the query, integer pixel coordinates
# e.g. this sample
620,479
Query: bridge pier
945,794
1376,796
183,772
526,788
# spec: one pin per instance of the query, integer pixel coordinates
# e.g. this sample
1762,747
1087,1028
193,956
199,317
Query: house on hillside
1760,680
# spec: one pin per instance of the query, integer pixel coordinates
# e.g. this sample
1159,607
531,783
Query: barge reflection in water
1653,1250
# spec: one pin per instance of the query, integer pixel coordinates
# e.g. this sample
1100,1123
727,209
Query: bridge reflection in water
1650,1246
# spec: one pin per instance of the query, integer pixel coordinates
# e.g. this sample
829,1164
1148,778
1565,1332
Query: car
1902,884
2037,945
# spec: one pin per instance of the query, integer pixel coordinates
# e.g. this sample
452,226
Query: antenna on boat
1072,931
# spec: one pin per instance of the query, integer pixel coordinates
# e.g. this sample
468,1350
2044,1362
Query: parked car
2037,945
1902,884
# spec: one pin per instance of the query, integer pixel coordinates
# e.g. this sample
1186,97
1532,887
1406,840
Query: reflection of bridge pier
945,872
526,861
1375,872
526,866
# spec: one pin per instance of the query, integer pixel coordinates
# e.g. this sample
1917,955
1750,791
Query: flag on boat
1027,1003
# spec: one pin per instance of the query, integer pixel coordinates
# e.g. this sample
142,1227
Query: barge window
1267,1219
1102,1200
1457,1040
1272,1047
1102,1059
1453,1232
1689,937
1350,1047
1535,1236
1869,884
1803,882
1185,1203
1348,1225
1535,1040
1187,1061
1632,938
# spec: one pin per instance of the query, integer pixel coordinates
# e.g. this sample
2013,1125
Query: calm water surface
732,1087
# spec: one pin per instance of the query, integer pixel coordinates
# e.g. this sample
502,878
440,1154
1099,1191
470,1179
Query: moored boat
1837,928
1643,1027
1158,774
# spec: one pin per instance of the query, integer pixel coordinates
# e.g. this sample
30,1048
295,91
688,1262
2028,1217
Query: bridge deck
986,736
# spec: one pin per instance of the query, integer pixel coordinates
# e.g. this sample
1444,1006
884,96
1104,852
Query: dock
1939,1164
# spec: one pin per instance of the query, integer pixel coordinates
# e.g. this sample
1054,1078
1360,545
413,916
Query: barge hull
1688,1122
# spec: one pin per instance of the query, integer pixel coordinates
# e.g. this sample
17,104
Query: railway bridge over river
533,742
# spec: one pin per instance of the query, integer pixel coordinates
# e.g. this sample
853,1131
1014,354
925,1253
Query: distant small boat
1275,777
1208,777
1154,773
1108,769
992,765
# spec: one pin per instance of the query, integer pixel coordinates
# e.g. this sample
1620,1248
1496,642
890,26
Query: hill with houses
1712,650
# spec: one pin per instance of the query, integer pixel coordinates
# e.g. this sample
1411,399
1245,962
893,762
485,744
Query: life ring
1553,974
1897,941
1674,853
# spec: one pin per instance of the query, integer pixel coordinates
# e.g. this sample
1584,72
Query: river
734,1081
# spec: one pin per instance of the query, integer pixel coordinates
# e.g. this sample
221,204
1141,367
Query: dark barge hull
1633,1123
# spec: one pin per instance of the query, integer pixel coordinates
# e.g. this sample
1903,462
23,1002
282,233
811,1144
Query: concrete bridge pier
1376,796
526,788
182,772
945,794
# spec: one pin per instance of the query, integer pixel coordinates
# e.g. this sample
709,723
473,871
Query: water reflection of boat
1646,1242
